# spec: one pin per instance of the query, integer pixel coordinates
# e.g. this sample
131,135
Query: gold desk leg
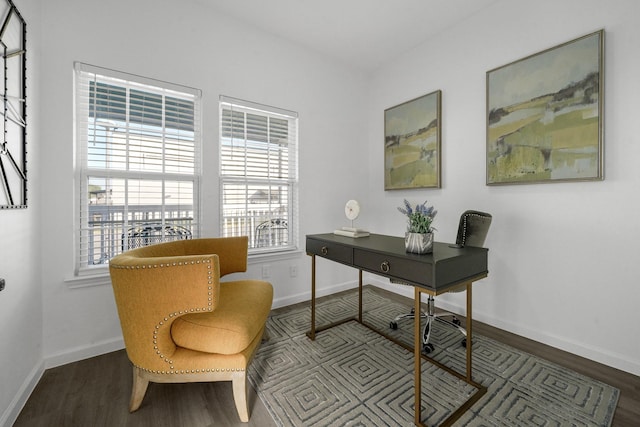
417,344
312,333
417,348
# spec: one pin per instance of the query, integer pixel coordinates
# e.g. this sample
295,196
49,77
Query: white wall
186,43
21,301
563,256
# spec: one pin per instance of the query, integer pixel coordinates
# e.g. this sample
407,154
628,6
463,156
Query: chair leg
427,347
138,390
394,323
239,382
451,323
432,316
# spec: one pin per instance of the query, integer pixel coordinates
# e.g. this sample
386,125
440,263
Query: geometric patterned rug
351,375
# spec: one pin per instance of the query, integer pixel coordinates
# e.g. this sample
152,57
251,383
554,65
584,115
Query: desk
444,270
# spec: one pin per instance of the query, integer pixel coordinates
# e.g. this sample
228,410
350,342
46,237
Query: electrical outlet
293,271
1,284
266,271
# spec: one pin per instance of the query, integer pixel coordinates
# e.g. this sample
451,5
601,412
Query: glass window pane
257,182
140,172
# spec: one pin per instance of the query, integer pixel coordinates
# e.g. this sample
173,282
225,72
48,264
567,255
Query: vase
418,243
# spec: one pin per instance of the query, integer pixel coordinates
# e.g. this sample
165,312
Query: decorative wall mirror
13,150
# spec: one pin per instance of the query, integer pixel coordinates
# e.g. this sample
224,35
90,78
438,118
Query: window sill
258,258
88,281
101,278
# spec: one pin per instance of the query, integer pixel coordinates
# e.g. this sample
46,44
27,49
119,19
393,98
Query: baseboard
562,343
10,415
107,346
83,352
599,355
306,296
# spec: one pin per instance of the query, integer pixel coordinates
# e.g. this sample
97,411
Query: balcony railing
112,229
264,228
109,234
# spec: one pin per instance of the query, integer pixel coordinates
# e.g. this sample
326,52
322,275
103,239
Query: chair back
473,228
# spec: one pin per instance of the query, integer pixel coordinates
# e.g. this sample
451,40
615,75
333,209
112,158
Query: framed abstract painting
412,133
545,115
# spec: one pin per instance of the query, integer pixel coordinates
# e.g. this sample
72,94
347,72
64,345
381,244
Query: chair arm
151,292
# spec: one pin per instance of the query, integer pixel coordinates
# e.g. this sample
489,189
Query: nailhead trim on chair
179,313
173,264
190,371
464,227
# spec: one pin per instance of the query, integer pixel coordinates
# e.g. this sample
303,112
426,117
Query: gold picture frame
412,143
545,115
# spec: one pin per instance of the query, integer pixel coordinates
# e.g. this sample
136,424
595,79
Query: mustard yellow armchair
180,323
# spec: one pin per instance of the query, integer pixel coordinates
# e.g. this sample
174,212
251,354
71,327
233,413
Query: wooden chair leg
138,390
239,382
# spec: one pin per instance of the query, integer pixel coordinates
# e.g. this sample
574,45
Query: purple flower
420,218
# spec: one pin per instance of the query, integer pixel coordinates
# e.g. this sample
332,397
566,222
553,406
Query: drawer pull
384,266
324,250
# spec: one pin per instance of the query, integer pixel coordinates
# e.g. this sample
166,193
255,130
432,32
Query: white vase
418,243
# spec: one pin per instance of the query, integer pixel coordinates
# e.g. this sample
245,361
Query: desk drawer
332,251
394,267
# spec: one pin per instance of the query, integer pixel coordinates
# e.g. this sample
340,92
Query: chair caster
456,321
464,342
393,325
428,348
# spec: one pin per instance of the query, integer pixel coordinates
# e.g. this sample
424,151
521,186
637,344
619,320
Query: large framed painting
545,115
412,143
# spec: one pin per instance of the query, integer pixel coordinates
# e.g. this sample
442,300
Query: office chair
472,231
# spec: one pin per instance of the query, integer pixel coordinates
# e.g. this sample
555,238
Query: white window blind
258,174
138,145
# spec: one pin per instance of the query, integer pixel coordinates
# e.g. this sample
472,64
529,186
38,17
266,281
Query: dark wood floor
95,392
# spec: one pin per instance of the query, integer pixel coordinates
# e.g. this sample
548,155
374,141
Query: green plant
420,218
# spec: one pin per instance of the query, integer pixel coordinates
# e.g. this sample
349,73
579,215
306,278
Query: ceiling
362,33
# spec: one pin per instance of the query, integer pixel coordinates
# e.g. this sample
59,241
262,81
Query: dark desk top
443,269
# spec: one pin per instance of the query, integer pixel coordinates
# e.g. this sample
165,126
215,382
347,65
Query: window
258,174
137,163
